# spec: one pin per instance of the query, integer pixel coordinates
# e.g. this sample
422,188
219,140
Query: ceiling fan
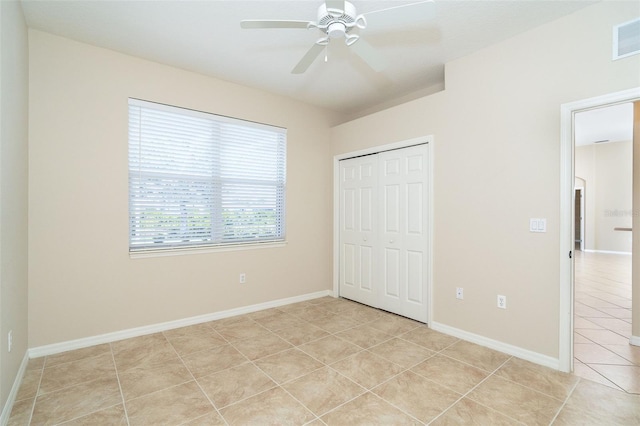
338,18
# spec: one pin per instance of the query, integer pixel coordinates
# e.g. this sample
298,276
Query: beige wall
13,191
607,170
82,282
497,164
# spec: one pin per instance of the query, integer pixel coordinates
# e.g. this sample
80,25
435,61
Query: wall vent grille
626,39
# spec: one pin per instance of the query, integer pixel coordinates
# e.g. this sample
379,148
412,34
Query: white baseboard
634,340
626,253
516,351
8,405
156,328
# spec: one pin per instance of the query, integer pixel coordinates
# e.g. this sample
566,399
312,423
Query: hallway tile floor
325,361
602,321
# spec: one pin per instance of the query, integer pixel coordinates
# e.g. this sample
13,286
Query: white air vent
626,39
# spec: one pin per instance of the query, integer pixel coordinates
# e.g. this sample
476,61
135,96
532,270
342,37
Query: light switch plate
538,225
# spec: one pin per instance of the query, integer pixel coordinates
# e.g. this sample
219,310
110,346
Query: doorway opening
568,226
578,217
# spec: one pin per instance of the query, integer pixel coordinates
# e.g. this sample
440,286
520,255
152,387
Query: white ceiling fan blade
259,24
369,55
308,59
400,15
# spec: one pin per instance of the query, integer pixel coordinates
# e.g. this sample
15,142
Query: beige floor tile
301,333
583,323
467,412
476,355
550,382
594,399
174,405
75,372
36,363
363,314
586,372
592,353
323,390
430,339
272,407
213,360
620,313
516,401
395,324
185,345
77,354
140,381
330,349
135,343
627,351
578,338
603,337
279,321
235,384
294,307
112,416
190,330
152,355
264,313
76,401
626,377
614,324
571,416
401,352
367,410
367,369
288,365
211,419
451,373
334,323
341,305
242,330
30,383
585,311
364,336
407,391
21,412
261,346
229,321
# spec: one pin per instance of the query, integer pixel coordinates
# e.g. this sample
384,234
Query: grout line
115,366
35,398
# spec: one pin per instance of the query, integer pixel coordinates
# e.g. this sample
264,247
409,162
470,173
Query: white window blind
198,179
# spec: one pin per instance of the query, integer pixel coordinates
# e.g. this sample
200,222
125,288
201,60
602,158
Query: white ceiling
205,36
608,124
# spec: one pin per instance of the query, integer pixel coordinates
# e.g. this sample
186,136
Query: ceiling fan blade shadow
308,59
401,15
261,24
369,55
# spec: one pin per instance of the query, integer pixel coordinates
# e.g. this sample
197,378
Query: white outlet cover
502,302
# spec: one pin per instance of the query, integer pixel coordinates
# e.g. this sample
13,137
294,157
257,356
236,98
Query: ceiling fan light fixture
351,38
336,30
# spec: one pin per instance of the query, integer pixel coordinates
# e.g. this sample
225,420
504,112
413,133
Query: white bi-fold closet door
384,232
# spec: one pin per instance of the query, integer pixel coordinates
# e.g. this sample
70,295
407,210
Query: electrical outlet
9,341
243,278
459,293
502,301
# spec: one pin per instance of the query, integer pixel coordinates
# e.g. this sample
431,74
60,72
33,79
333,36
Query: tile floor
326,361
602,322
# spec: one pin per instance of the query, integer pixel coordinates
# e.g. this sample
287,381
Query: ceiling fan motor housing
337,25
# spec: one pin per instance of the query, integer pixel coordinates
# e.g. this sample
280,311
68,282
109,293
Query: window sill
142,254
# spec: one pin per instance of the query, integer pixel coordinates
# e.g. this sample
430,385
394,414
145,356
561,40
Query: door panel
358,195
384,230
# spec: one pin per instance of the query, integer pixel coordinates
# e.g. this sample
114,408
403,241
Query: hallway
602,322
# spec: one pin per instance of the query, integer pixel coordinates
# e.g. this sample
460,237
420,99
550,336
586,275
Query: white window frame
223,181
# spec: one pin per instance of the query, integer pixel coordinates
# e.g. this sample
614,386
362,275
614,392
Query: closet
384,230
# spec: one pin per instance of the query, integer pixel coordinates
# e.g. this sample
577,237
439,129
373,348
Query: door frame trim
428,139
567,238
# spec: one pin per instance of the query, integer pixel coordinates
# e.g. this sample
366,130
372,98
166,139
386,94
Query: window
199,180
